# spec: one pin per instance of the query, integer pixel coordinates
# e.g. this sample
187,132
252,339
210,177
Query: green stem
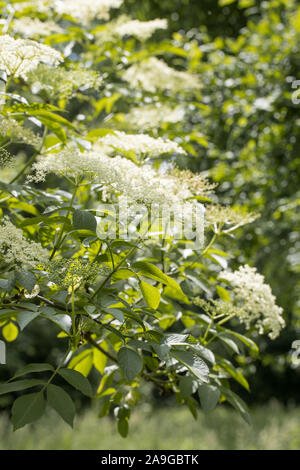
212,241
226,319
59,239
209,327
111,255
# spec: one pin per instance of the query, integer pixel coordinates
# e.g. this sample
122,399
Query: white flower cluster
118,175
140,29
225,216
151,116
20,56
138,143
154,74
255,300
32,27
85,12
11,128
14,247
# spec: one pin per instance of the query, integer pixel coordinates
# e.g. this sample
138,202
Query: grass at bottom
273,427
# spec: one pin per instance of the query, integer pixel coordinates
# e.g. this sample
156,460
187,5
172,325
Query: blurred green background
168,428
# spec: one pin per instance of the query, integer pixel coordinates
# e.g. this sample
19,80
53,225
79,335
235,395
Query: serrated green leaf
33,368
209,396
62,403
223,294
193,363
77,380
19,385
84,220
26,279
151,294
237,403
235,373
187,386
27,409
25,317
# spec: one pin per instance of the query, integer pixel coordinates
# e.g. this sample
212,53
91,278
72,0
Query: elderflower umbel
62,82
16,248
39,6
154,74
255,300
118,175
151,116
138,143
20,56
140,183
79,10
140,29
